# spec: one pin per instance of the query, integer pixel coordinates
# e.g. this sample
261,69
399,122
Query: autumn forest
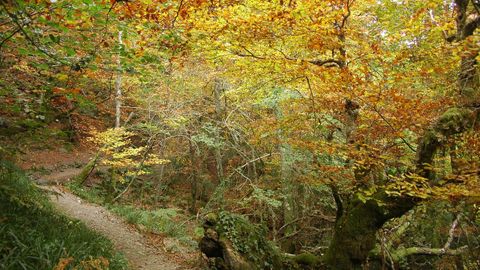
239,134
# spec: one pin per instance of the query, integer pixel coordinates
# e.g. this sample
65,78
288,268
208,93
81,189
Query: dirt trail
127,240
59,177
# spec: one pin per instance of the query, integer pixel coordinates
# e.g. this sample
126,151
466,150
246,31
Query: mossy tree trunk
87,170
355,230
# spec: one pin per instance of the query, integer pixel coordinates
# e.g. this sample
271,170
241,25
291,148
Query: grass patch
34,236
93,195
160,221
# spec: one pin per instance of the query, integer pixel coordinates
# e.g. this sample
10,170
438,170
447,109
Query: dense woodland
276,134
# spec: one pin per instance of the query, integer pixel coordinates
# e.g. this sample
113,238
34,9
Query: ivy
247,238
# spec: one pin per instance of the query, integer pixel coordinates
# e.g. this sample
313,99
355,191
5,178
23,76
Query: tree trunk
194,181
355,231
219,110
289,188
87,170
118,83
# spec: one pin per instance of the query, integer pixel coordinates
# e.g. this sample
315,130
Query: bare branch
450,233
327,63
318,62
180,5
445,250
9,37
248,54
345,17
394,129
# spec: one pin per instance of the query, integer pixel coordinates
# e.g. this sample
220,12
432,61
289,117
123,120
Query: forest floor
58,168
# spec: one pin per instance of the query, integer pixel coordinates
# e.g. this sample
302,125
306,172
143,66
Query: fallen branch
404,252
401,253
87,170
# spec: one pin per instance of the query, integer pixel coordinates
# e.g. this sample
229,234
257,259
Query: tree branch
394,129
180,5
426,251
471,25
9,37
328,63
32,41
345,17
338,201
248,54
318,62
450,233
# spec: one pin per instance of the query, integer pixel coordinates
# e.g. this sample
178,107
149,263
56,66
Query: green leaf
70,51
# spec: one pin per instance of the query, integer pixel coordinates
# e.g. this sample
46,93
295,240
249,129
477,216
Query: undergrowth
159,220
34,236
92,195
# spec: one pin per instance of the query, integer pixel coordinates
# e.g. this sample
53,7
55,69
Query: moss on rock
211,219
307,259
241,244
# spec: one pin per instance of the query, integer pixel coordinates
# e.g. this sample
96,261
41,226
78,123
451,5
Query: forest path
125,239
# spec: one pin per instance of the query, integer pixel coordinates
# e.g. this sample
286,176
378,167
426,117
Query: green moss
454,120
248,239
355,231
80,178
355,234
30,123
307,259
211,218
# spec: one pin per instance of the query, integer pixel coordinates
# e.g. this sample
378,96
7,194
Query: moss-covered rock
233,259
238,243
303,261
307,259
211,219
